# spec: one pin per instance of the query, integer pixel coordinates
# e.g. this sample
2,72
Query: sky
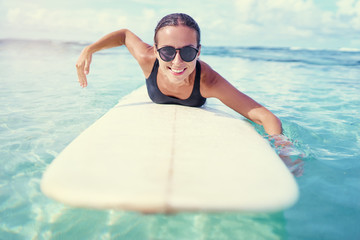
318,24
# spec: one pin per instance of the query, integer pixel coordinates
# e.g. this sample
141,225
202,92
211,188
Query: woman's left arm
214,85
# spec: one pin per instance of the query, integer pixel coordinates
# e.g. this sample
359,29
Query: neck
180,89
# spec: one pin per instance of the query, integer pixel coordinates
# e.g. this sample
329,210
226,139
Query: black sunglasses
187,53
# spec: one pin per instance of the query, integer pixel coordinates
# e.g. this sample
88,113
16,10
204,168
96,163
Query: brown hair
177,19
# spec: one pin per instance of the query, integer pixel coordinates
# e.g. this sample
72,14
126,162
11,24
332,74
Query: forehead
176,36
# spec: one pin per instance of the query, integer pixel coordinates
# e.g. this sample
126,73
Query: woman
174,73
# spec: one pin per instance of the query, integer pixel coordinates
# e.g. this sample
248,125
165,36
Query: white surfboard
156,158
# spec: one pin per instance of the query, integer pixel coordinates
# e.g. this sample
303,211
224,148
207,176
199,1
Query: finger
83,81
87,66
81,77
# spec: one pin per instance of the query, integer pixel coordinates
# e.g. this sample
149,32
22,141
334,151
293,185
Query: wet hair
177,19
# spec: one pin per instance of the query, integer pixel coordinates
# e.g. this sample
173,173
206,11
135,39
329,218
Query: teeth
177,71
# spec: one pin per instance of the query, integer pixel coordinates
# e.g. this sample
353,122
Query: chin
176,80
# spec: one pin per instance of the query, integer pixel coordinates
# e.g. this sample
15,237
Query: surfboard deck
153,158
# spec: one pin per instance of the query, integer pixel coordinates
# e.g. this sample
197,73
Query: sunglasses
187,53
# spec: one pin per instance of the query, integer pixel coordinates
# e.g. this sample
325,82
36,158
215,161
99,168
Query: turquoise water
42,108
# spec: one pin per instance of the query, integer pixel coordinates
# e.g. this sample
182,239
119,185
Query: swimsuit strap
196,88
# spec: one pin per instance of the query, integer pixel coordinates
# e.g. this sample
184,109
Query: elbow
277,126
122,36
271,123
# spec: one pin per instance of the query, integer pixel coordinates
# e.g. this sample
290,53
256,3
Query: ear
156,53
198,54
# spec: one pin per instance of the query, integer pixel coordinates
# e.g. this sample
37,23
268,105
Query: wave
308,56
9,42
349,50
296,55
343,49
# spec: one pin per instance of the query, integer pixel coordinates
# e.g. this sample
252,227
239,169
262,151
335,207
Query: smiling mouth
177,71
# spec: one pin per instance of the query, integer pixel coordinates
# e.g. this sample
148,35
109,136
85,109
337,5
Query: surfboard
154,158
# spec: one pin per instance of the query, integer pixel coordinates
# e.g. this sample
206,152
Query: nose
177,58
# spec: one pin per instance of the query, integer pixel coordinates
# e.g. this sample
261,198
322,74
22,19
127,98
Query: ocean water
42,109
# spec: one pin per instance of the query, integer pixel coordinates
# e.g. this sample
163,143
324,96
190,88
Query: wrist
280,140
89,49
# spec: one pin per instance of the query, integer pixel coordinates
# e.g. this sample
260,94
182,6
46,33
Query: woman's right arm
135,45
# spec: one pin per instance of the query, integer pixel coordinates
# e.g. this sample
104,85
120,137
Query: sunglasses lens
188,54
167,53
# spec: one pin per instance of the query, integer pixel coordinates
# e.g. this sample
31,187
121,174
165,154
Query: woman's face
177,70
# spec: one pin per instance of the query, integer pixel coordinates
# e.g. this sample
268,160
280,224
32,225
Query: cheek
162,65
192,66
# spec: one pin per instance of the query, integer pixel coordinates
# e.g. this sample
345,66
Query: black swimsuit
195,99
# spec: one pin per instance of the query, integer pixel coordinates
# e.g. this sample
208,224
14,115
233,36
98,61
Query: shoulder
142,52
146,62
210,80
208,75
146,59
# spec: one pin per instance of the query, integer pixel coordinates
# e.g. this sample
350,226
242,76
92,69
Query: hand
83,66
295,167
287,152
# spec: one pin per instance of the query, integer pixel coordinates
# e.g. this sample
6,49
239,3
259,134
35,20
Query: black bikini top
195,99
